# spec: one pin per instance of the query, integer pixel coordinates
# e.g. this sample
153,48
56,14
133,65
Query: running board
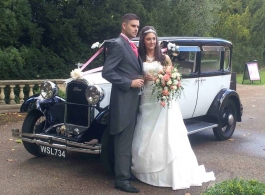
197,126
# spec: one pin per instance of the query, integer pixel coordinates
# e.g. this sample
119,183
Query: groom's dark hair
130,16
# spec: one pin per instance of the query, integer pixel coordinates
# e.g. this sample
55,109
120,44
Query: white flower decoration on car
95,45
76,73
172,47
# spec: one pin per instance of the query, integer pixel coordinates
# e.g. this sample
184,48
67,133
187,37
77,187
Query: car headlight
48,90
94,94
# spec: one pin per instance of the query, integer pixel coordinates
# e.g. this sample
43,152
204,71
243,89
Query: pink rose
165,92
163,83
166,77
178,84
163,104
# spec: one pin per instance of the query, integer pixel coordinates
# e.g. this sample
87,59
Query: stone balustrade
13,92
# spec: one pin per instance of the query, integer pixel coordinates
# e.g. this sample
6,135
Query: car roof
190,41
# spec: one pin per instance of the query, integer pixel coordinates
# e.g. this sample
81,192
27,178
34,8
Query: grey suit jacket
120,68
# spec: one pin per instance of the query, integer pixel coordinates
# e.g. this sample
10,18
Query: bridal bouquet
168,85
168,81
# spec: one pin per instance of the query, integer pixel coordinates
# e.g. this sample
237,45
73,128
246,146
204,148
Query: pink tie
134,48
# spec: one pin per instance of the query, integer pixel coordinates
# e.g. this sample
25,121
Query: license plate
52,151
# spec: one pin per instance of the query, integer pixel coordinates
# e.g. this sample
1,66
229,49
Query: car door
186,61
212,77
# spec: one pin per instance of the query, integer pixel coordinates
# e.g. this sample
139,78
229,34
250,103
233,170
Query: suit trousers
123,153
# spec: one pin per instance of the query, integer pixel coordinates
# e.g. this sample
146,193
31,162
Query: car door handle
200,80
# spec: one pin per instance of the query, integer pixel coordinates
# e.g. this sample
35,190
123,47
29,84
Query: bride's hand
149,77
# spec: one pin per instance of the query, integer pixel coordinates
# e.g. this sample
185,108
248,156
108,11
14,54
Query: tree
257,27
183,17
233,25
16,31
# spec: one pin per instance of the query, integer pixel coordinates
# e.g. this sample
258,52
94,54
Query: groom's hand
137,83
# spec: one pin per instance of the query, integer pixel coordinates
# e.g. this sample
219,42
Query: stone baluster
2,95
21,94
31,90
12,95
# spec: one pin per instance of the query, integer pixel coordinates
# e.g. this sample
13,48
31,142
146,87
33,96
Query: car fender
39,103
97,127
103,116
222,96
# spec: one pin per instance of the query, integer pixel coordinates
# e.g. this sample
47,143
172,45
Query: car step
197,126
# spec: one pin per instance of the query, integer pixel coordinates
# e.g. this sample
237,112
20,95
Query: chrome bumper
47,140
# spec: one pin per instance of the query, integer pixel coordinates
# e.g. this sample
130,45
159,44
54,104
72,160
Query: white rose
169,82
174,75
176,82
157,81
165,88
164,97
178,74
76,73
174,87
169,46
160,76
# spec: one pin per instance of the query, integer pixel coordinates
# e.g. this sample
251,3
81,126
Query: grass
239,79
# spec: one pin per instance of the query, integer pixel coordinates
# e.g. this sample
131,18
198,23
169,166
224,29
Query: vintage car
55,126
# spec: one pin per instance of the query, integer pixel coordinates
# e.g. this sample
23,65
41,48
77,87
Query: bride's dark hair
142,50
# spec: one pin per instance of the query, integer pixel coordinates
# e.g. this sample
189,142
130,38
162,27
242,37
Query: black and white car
54,125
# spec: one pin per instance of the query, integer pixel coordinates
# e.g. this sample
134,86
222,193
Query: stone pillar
21,94
12,95
2,95
31,90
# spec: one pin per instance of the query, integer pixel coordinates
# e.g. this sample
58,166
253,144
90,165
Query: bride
161,151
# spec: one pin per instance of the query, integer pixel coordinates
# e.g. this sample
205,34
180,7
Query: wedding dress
161,151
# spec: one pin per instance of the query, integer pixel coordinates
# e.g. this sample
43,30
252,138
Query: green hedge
237,187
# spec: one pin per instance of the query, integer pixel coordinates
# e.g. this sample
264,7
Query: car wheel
226,121
107,152
33,123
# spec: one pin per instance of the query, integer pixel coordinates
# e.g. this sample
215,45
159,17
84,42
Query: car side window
214,58
210,61
186,62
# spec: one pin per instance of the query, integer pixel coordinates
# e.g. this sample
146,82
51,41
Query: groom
122,68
